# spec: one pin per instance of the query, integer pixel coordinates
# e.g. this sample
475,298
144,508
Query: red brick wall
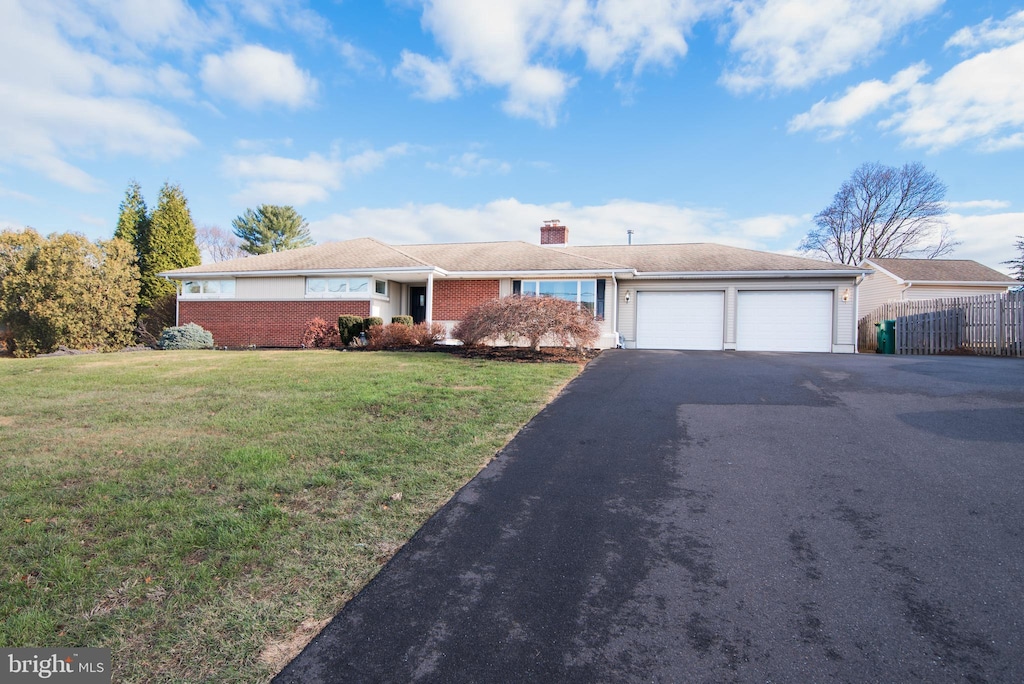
264,324
453,298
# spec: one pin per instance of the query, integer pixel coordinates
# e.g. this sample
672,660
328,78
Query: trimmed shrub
320,334
349,328
404,320
370,322
424,335
391,336
188,336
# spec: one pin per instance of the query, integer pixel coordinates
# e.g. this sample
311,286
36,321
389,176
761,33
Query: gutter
199,275
707,275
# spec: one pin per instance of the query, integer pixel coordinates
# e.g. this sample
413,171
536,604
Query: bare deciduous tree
884,212
218,244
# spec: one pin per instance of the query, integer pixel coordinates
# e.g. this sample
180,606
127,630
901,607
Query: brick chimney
554,233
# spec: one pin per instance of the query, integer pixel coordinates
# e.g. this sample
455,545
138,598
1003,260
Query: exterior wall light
846,295
629,295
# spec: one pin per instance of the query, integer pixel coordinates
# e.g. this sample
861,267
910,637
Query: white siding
875,290
270,289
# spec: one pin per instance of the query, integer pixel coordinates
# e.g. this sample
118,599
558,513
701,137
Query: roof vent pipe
629,236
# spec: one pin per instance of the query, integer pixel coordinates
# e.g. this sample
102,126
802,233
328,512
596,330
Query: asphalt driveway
712,517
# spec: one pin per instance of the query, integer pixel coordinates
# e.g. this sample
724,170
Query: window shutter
599,304
517,287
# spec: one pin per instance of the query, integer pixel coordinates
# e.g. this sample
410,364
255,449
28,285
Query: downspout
430,298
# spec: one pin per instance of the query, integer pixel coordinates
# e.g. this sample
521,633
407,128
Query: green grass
200,512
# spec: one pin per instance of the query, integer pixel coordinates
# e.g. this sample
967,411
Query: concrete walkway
708,517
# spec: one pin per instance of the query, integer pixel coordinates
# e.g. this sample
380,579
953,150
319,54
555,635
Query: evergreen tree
1017,265
133,218
272,228
168,242
65,290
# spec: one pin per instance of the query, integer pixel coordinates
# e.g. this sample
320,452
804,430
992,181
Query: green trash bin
886,337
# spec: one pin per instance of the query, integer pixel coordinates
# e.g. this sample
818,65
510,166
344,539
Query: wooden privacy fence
987,324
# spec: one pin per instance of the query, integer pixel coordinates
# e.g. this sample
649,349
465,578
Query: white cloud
989,33
988,238
61,100
857,102
980,100
515,45
272,179
510,219
978,204
253,76
787,44
432,80
471,164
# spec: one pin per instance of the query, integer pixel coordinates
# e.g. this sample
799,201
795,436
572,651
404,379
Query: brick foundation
263,324
453,298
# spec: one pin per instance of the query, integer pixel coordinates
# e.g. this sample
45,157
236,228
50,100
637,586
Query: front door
418,304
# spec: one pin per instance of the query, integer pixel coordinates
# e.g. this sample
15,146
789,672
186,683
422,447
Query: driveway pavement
713,517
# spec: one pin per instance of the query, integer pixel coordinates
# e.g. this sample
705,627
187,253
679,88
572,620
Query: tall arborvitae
133,219
168,242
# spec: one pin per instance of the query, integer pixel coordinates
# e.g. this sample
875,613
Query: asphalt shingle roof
942,270
368,253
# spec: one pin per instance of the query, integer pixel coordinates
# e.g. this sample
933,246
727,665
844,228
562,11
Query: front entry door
418,304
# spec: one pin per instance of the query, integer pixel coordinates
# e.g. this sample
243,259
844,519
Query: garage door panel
680,320
784,321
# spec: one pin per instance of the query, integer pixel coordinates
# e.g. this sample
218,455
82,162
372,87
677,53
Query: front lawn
203,513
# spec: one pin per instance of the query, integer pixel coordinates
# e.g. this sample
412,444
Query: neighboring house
685,296
910,279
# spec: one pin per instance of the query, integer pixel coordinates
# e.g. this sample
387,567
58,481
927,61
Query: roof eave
692,275
963,283
176,275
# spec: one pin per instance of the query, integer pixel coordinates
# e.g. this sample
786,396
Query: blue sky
730,121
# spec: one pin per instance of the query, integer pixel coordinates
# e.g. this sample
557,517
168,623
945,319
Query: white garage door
680,320
784,321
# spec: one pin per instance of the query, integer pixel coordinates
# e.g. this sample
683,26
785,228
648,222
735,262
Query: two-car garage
762,320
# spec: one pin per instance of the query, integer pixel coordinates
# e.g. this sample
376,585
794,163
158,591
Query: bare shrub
320,334
390,336
424,335
532,319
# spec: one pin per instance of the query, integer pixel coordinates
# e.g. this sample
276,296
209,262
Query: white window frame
204,292
579,289
344,285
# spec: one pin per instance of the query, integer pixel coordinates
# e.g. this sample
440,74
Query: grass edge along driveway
202,513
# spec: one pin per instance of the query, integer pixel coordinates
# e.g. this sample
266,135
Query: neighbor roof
942,271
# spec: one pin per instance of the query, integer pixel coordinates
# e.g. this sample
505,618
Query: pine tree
169,242
1017,265
272,228
133,218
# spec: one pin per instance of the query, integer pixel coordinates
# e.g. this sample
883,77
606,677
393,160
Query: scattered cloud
836,116
979,101
62,99
989,33
987,238
789,44
253,76
512,219
273,179
432,80
471,164
515,45
978,204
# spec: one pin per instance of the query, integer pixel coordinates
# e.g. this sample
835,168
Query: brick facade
453,298
263,324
